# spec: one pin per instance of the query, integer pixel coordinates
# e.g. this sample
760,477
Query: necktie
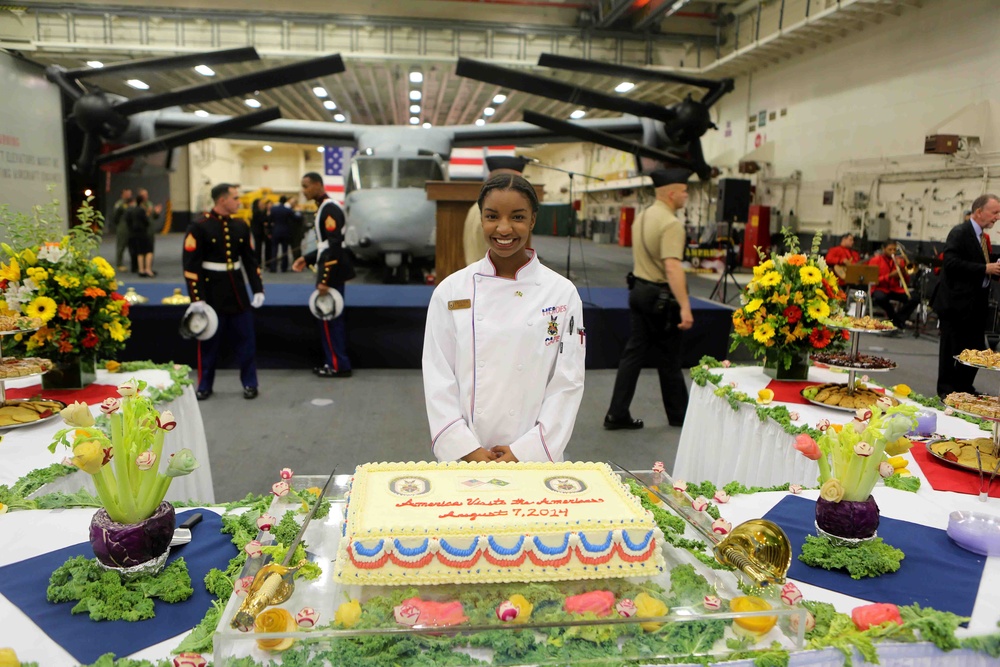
986,248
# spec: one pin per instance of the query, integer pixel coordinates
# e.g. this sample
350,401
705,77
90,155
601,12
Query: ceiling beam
383,116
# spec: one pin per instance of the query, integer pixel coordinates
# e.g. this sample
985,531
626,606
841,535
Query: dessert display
15,368
861,323
21,412
17,323
865,362
963,452
458,522
982,358
987,407
841,396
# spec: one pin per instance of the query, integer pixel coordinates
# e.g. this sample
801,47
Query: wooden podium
453,201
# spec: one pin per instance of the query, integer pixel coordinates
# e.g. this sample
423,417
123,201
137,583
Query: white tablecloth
721,445
25,449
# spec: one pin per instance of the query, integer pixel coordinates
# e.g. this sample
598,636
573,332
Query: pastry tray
971,414
21,377
15,401
980,367
857,330
835,407
953,464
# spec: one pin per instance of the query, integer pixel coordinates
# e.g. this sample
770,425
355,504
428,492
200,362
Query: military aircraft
389,218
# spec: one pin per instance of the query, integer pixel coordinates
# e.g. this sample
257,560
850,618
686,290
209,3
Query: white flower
823,424
166,421
128,388
110,404
77,415
145,460
51,252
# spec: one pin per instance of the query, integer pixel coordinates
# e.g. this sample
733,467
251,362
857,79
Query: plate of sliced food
865,324
962,453
836,395
984,407
19,412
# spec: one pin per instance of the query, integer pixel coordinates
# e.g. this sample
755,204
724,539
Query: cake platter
53,412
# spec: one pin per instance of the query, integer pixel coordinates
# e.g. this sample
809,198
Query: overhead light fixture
624,87
137,84
416,77
267,148
415,95
95,64
499,99
676,7
204,70
88,192
330,104
414,108
252,103
426,124
489,111
320,149
201,112
320,91
339,117
579,113
414,120
480,122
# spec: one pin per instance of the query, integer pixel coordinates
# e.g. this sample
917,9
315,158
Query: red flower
820,338
829,291
115,296
65,346
846,334
125,307
3,284
90,340
793,314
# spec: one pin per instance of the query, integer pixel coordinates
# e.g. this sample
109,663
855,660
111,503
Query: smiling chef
505,345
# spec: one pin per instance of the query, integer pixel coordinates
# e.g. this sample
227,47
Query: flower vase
797,370
133,548
847,523
71,373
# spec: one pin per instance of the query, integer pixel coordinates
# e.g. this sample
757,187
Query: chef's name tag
460,304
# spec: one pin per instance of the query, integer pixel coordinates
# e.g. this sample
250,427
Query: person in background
283,219
258,229
472,236
889,290
298,231
961,299
217,253
842,256
152,214
659,308
504,345
139,245
120,226
334,269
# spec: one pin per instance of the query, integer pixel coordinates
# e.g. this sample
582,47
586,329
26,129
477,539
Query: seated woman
505,345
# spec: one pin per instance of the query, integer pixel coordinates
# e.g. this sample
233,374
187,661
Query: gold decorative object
271,585
176,299
760,549
134,298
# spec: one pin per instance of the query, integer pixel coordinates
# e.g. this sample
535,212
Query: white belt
321,246
221,266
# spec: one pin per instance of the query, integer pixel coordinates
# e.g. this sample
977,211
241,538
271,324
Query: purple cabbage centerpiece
848,519
125,545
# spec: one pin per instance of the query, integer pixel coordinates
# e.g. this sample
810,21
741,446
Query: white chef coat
503,362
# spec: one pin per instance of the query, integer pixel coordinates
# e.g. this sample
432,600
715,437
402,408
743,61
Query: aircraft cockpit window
369,172
414,172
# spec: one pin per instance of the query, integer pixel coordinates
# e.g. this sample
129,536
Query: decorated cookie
712,603
190,660
790,594
721,527
280,489
307,617
507,611
266,522
626,608
253,548
699,504
721,497
406,614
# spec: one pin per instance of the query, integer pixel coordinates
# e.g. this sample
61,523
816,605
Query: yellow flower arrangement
785,305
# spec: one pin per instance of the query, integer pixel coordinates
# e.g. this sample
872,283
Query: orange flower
797,260
94,292
82,313
65,346
65,312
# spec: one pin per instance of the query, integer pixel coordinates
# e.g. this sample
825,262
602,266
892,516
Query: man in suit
962,296
283,220
120,227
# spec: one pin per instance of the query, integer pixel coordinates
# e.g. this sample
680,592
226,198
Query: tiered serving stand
995,420
3,390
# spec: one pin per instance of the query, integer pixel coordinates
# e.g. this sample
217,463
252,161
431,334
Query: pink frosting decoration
253,548
190,660
242,585
793,623
790,594
795,488
699,504
286,473
626,608
721,497
712,602
266,521
721,527
280,489
658,466
823,424
507,611
599,602
807,446
680,486
406,614
307,617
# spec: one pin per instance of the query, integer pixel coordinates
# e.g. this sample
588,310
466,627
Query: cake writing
514,511
498,501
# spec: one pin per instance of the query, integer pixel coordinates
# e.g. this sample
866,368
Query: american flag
336,163
469,163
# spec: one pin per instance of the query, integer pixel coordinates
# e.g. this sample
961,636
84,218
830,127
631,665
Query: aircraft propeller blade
609,140
184,137
236,85
624,71
241,54
557,90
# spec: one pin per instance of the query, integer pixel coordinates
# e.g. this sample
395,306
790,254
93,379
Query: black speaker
734,200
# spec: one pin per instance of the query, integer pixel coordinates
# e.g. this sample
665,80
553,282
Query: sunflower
763,333
810,275
818,310
753,305
103,267
42,307
770,279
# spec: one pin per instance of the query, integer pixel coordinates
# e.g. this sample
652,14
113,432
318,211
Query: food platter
842,408
18,331
979,366
858,330
972,414
857,369
18,402
973,466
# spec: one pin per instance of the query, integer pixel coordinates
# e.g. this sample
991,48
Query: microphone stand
572,210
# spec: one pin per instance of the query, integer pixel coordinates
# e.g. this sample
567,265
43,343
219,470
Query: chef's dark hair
509,182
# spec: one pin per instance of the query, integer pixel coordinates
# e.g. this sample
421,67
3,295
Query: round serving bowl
975,532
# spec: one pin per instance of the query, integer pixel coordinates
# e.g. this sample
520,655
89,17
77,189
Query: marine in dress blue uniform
217,251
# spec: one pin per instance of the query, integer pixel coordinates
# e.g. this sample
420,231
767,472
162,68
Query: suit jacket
960,293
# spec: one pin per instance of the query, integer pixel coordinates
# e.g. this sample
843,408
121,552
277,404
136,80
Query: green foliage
869,559
286,529
200,638
43,223
937,627
15,497
179,378
102,593
897,481
736,489
687,587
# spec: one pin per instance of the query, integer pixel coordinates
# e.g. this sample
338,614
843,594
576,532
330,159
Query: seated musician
891,292
840,256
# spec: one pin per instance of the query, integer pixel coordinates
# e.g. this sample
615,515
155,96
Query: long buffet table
25,448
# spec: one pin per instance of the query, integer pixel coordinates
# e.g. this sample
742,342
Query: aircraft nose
394,221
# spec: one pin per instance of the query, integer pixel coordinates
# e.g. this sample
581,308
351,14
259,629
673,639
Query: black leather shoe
328,372
619,424
203,395
249,392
